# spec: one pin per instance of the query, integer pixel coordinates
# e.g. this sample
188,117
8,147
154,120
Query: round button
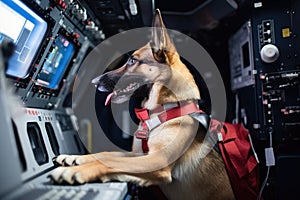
269,53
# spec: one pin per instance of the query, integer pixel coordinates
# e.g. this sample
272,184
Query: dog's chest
157,139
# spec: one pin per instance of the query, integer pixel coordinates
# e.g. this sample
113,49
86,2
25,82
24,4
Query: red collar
166,113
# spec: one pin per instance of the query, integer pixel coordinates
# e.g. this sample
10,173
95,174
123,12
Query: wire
270,136
268,171
253,149
264,184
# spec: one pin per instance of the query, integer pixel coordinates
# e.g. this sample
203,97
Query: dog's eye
131,61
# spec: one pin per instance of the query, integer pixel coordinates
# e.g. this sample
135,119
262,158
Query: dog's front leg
69,160
143,170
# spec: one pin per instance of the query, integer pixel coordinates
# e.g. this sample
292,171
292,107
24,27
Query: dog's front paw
78,174
72,160
65,160
68,175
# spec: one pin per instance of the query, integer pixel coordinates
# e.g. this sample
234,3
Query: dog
168,153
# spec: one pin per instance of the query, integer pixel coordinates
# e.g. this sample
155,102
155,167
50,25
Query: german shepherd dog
174,160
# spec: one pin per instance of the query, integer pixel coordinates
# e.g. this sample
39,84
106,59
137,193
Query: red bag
240,163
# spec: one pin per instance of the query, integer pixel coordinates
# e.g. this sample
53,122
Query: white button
269,53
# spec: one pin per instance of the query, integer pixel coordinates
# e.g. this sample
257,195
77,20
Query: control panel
280,99
41,135
50,47
271,105
241,57
51,40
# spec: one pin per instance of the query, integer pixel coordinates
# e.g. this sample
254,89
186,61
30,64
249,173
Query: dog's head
150,64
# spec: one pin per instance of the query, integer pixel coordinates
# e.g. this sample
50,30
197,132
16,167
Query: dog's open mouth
121,86
122,95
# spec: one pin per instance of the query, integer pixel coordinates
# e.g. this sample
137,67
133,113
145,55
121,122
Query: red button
76,35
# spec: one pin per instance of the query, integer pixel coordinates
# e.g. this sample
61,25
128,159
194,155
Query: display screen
246,55
26,30
56,63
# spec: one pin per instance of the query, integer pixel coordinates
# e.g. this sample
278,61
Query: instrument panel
51,38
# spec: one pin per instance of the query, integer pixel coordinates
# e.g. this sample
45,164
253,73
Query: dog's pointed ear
161,44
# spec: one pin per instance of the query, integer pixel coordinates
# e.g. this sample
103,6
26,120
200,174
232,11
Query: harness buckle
142,134
153,122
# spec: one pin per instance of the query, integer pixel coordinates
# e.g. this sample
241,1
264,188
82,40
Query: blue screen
26,30
56,63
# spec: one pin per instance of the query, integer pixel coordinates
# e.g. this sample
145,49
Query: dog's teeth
131,86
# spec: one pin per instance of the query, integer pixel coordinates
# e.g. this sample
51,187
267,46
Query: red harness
233,143
147,124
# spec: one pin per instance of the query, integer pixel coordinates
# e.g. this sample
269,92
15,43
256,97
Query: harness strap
148,124
142,114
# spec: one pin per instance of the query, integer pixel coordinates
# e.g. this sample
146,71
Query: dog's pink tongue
108,98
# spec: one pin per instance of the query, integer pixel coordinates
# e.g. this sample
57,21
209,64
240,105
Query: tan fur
175,161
